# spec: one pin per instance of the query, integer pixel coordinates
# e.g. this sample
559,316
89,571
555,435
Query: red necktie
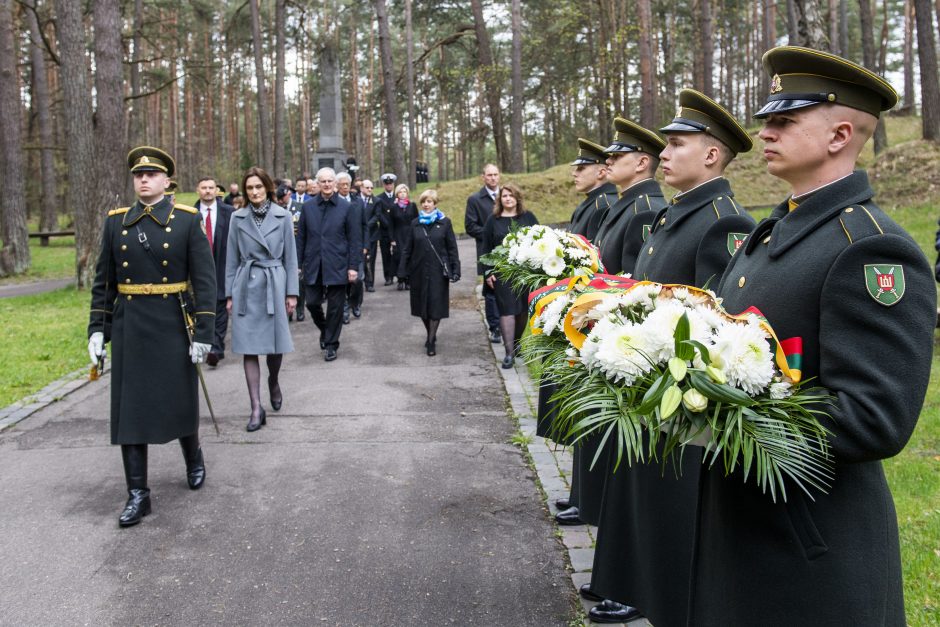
209,227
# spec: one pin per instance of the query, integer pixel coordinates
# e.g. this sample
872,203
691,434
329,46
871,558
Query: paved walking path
35,287
385,492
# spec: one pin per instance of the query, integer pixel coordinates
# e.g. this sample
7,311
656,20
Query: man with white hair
329,253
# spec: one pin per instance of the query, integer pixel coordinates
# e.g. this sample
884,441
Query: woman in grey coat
261,287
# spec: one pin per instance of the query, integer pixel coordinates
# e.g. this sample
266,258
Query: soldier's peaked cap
589,153
631,137
388,178
150,159
802,77
700,114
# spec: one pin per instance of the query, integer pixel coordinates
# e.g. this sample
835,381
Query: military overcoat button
741,282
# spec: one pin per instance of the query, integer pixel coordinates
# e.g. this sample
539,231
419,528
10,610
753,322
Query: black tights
512,328
430,325
253,377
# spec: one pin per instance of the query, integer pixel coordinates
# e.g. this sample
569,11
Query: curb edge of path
27,406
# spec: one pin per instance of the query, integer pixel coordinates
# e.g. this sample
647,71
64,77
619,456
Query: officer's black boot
195,465
135,472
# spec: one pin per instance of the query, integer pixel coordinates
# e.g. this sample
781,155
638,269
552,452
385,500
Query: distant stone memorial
331,153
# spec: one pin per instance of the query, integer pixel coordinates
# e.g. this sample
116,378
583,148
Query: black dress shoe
212,359
507,362
370,289
407,286
586,593
388,281
357,312
301,316
138,506
569,517
330,354
401,286
274,392
254,425
495,337
196,472
345,316
562,504
613,612
431,351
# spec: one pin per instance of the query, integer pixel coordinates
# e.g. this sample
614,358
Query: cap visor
679,127
580,161
778,106
147,168
617,148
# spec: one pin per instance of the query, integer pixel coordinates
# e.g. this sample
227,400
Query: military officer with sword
152,253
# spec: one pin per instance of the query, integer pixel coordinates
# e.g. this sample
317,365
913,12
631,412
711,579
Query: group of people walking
686,546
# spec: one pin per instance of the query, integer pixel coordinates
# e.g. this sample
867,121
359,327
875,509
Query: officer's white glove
199,351
95,347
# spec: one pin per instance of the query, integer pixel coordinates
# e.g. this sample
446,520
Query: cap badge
144,159
776,84
679,112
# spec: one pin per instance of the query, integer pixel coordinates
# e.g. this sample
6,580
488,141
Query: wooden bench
45,235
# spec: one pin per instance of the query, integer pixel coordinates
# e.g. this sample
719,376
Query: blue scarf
430,218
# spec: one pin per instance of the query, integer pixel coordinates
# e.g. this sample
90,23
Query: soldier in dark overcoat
150,253
644,544
830,267
384,203
589,171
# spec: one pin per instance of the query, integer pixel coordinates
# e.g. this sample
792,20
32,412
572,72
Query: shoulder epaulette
119,211
186,208
858,222
725,206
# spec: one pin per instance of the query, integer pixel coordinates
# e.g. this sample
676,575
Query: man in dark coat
233,193
644,544
148,254
370,236
216,216
479,209
384,206
830,267
355,289
589,171
329,253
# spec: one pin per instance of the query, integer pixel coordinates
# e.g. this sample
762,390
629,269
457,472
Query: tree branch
157,90
42,33
462,29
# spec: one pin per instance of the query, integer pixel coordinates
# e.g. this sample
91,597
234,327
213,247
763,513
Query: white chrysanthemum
643,295
597,333
552,316
621,353
780,390
660,328
711,317
743,354
553,266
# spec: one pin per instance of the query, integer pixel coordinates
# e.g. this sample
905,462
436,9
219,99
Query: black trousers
331,323
373,248
490,308
356,289
221,326
385,244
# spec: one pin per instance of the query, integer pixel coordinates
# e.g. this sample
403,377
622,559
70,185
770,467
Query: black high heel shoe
255,425
431,351
272,389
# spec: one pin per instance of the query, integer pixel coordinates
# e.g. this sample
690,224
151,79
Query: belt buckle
148,288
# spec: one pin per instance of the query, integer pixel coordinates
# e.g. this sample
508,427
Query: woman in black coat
508,213
403,212
428,261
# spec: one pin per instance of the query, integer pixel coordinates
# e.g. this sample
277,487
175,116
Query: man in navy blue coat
329,251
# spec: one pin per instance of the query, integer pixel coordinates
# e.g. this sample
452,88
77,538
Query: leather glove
95,347
199,351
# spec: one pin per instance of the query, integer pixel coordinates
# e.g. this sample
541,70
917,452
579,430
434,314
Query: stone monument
330,153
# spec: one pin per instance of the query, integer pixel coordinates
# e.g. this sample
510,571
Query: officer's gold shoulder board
186,208
735,241
885,283
119,211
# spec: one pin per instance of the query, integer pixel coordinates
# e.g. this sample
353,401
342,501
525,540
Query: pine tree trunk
110,131
929,79
280,131
264,130
707,42
810,25
392,120
647,115
14,256
909,95
793,28
866,21
410,95
515,127
490,72
41,105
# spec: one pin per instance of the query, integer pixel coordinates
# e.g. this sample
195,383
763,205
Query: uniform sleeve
233,257
471,222
290,258
715,249
202,278
104,288
407,249
354,235
450,244
633,238
876,359
597,215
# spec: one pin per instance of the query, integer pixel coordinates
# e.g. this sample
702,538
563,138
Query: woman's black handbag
443,265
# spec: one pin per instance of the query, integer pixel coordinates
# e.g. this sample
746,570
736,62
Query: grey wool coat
260,272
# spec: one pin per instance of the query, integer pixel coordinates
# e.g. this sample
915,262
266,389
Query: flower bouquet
667,360
531,257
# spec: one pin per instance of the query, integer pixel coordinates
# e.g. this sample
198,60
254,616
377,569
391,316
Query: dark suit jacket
223,213
328,240
479,209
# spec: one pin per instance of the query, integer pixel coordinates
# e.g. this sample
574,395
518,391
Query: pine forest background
226,84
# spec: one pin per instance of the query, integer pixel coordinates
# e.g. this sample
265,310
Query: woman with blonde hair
508,213
404,212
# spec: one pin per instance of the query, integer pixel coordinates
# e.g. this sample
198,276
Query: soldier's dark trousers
370,264
221,326
301,299
331,323
388,270
491,311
